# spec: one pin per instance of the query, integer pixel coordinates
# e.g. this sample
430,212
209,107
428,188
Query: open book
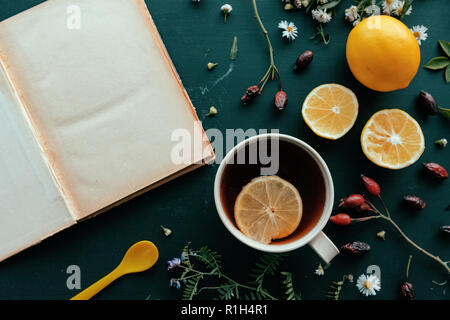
89,103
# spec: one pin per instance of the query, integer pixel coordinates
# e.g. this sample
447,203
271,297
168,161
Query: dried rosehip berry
356,247
446,229
250,94
364,207
371,185
341,219
436,170
281,100
414,202
407,290
303,60
352,201
427,103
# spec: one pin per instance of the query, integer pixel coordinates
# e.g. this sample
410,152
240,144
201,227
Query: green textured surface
195,35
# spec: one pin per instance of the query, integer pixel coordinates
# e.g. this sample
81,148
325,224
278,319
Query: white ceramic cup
315,237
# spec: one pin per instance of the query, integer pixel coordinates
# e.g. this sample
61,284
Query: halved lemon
330,110
268,208
392,139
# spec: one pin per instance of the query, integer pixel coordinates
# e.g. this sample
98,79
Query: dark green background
195,35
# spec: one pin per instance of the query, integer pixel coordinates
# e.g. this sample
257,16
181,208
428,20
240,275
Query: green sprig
208,269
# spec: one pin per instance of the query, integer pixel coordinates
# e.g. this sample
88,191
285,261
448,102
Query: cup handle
323,246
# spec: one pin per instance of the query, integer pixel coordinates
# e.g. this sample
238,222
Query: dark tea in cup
295,165
299,165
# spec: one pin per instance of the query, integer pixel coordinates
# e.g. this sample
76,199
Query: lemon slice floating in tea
268,208
330,110
392,139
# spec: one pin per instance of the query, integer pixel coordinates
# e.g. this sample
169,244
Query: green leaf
445,112
406,6
234,49
311,4
445,46
329,5
437,63
447,74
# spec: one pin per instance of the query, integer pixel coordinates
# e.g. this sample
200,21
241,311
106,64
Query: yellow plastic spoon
139,257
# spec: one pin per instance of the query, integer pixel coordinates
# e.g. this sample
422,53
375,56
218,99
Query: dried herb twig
270,74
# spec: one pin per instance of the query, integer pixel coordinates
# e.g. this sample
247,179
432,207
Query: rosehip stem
270,74
374,209
365,218
384,206
435,258
389,219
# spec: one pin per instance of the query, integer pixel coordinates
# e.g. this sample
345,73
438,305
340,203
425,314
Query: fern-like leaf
191,288
185,255
267,264
210,258
288,287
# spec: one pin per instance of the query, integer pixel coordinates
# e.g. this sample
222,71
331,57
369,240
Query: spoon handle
95,288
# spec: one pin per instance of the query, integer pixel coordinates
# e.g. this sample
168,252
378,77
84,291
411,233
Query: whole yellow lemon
383,53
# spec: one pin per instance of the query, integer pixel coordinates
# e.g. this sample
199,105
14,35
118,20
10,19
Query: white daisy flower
398,10
289,29
389,5
351,14
321,15
420,32
368,284
226,9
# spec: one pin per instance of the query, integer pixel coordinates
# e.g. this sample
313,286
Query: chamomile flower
420,32
321,15
368,284
389,6
167,232
290,31
319,271
351,14
226,10
399,9
441,142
